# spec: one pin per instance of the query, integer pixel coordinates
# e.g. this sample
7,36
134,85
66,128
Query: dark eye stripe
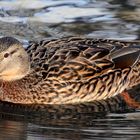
13,51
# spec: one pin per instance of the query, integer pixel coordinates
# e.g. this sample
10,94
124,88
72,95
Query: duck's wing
88,56
72,59
73,70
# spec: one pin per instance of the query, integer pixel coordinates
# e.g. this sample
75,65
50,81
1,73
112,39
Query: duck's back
81,69
86,57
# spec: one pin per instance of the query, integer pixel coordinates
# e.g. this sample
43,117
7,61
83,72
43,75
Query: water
38,19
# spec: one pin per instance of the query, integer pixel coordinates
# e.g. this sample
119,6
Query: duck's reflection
12,130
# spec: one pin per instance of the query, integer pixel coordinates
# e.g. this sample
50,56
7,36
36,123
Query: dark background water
38,19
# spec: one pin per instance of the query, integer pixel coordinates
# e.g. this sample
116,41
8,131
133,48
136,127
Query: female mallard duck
66,71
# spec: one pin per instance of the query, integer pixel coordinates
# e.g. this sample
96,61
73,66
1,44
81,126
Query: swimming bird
69,70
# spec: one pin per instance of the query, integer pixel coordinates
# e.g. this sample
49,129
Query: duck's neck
14,91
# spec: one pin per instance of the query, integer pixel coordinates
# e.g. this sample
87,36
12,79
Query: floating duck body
68,70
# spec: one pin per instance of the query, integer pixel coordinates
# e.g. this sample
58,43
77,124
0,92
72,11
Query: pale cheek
10,71
9,75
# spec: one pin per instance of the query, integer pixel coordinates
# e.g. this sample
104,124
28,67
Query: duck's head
14,61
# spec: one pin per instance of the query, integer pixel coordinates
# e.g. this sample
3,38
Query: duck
69,70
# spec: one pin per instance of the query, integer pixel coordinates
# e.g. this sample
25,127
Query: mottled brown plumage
74,70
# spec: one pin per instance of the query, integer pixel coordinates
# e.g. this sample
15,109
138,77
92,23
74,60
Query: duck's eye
6,55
